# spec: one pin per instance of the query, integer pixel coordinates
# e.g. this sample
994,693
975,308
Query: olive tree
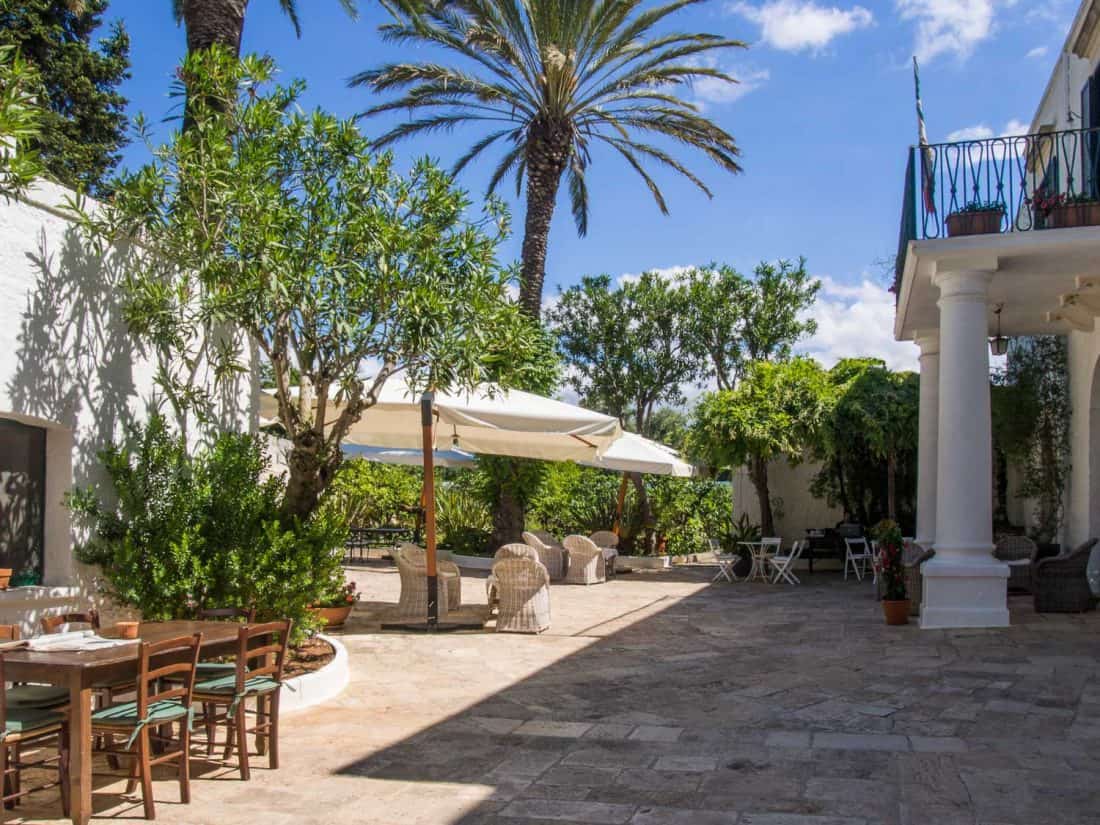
265,226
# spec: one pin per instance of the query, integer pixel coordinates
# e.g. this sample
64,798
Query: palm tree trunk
547,155
214,22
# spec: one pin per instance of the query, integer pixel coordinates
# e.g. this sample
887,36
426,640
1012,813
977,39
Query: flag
927,156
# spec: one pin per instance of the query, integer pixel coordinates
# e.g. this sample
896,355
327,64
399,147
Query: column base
967,593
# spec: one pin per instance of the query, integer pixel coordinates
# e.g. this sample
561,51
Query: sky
823,115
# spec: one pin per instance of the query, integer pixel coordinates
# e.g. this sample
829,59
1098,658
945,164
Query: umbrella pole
429,509
619,505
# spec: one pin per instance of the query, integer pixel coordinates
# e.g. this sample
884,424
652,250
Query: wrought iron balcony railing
1007,172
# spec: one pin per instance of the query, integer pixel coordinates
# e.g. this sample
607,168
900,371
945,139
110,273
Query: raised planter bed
1075,214
309,689
643,562
469,562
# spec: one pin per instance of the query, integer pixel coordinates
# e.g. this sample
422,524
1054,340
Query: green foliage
575,499
736,320
744,530
1031,414
689,513
628,348
983,206
84,115
669,426
264,222
464,521
20,122
365,493
191,531
890,560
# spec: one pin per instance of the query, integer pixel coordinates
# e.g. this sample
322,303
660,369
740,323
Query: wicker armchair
1060,583
412,566
516,551
1016,549
912,559
552,556
586,561
609,541
522,590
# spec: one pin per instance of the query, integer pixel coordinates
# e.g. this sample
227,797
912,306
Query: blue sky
823,116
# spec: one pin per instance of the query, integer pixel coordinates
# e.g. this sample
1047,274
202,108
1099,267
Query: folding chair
857,554
783,563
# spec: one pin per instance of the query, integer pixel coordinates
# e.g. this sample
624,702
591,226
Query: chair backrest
547,538
1011,548
531,540
517,550
605,538
857,547
521,571
413,554
245,614
797,548
53,624
265,657
182,654
580,544
772,542
9,633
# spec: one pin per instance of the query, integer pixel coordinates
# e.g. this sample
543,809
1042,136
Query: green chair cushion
126,714
227,685
28,720
209,670
37,696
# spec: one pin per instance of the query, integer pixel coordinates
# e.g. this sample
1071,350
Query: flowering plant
1045,203
889,561
983,206
339,594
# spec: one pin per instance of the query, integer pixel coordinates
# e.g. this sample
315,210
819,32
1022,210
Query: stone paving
660,699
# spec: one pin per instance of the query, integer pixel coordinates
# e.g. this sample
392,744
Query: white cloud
712,90
948,26
856,321
1036,53
669,273
981,131
802,25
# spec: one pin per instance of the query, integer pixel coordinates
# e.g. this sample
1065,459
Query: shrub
366,494
463,520
204,530
888,560
690,512
574,499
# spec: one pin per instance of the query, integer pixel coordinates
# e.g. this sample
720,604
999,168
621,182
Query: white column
964,586
928,439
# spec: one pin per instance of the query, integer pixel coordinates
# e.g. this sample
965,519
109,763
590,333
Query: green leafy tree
220,23
552,80
84,123
776,411
365,493
739,320
265,226
20,122
628,349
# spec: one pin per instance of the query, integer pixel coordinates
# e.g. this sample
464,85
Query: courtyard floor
661,699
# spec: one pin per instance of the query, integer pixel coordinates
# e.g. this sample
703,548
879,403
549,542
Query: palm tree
221,22
551,79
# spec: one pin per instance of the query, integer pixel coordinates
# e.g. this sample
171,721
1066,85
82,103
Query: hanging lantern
998,344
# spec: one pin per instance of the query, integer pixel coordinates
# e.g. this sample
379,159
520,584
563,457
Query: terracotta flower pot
127,630
896,612
1075,214
5,577
333,616
984,222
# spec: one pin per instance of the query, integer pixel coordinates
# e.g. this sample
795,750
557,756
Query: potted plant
976,218
334,607
891,570
5,577
1062,211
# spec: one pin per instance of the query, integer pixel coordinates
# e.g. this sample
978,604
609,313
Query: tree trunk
508,518
308,474
214,22
548,145
758,473
646,510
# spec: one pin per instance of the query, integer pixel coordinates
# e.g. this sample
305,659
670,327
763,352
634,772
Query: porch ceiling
1048,281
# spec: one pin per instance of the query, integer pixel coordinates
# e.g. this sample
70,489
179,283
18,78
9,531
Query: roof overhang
1048,280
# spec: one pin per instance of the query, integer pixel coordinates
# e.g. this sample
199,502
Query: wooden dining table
84,671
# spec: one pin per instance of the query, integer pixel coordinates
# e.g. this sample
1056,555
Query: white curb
311,689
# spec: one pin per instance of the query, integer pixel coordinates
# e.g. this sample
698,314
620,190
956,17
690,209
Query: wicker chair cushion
125,715
27,720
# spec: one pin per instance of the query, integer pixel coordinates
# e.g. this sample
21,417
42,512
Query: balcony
1039,181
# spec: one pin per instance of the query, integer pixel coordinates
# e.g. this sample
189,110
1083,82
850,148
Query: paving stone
546,727
690,764
597,813
679,816
798,819
656,733
788,739
860,741
937,744
605,730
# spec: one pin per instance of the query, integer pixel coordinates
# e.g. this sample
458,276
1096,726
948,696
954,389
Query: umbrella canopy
632,453
411,458
487,420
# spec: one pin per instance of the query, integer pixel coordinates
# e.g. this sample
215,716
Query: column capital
928,340
970,285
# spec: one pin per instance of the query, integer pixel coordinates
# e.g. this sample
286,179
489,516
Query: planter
642,562
896,612
5,577
472,562
332,616
983,222
309,689
1075,214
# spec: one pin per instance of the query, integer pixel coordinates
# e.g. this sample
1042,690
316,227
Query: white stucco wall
795,509
68,363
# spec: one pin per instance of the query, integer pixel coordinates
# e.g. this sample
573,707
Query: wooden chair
35,726
52,624
164,694
261,654
32,696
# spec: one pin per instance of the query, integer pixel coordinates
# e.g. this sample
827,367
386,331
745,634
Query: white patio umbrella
633,453
486,420
410,458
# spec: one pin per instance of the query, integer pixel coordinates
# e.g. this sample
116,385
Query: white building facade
1036,272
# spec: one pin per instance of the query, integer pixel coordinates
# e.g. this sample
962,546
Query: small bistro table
757,549
82,671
